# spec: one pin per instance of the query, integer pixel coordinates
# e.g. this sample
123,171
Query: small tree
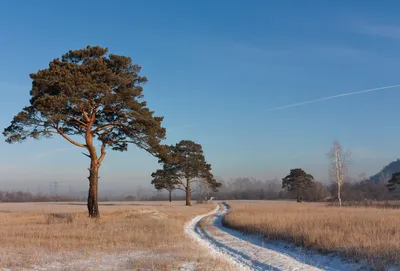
394,181
164,180
339,163
90,94
297,180
185,164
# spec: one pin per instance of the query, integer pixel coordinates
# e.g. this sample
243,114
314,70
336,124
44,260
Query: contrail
331,97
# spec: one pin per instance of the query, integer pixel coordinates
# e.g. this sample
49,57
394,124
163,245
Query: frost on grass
189,266
148,236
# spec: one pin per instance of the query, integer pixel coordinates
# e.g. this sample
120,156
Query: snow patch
191,231
152,213
189,266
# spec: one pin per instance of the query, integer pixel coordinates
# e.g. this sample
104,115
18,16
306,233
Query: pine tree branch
70,139
103,152
104,127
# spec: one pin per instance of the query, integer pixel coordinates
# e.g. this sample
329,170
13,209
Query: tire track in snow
250,252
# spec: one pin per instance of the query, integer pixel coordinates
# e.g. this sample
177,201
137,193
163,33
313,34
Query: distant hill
387,171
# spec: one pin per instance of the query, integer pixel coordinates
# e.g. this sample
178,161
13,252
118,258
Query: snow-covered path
250,252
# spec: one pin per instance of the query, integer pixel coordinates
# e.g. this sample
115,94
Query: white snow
191,229
252,252
188,266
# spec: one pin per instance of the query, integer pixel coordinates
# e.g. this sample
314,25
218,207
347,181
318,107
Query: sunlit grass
359,233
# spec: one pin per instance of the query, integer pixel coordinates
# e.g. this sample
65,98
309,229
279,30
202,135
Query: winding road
252,252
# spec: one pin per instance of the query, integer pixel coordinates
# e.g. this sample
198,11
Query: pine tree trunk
188,202
92,202
170,197
298,195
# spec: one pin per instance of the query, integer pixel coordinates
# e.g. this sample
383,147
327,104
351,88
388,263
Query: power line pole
39,190
54,188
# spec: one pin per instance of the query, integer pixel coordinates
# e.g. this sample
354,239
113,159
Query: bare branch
103,152
104,127
84,114
70,139
86,154
84,124
148,149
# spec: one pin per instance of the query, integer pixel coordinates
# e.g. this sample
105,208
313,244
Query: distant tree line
247,188
243,188
253,189
19,196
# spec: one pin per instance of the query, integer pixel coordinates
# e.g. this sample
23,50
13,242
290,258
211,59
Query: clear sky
215,68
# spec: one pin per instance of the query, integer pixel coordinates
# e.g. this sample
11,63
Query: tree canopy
394,181
185,164
89,91
163,179
90,94
297,179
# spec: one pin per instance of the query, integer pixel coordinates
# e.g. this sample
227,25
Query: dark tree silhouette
94,95
394,181
164,180
297,180
185,164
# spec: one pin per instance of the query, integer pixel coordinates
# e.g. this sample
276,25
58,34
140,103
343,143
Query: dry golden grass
148,234
359,233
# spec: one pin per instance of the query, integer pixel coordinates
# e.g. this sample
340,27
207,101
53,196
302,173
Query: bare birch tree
338,166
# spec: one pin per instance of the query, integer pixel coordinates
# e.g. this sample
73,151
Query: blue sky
214,70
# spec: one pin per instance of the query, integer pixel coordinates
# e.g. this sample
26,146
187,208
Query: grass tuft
52,218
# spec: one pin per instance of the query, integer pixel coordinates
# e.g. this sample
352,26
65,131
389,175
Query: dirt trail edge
251,252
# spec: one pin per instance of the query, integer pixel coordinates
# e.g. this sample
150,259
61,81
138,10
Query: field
128,236
150,235
359,233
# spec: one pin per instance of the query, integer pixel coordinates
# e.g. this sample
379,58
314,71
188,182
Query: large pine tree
92,95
